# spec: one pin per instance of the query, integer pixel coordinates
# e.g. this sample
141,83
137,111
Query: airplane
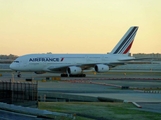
75,65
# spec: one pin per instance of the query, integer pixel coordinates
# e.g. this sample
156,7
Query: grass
100,110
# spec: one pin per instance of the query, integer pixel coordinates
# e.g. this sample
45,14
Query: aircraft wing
83,66
64,68
88,66
136,59
58,69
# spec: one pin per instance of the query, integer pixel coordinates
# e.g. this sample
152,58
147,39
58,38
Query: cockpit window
16,61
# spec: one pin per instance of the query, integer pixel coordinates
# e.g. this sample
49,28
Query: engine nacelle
74,70
40,72
101,68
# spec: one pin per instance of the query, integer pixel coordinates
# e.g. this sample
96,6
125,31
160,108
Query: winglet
124,45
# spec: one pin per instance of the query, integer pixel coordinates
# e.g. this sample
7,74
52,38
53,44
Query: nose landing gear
19,75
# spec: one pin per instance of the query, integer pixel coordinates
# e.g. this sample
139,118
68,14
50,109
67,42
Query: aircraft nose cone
12,66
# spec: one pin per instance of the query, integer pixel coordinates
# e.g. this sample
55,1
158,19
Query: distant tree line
11,57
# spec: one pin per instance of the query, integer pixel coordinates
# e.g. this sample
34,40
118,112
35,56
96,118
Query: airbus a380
75,65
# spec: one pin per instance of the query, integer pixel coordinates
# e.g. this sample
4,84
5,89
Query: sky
77,26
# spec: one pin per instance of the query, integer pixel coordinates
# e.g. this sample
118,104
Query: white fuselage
41,62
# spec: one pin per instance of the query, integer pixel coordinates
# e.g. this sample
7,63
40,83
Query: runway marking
90,82
137,105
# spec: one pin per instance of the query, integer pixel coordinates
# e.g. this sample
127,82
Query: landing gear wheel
78,75
83,75
71,75
19,75
64,75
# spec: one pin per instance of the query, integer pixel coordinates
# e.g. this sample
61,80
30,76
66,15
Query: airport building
156,56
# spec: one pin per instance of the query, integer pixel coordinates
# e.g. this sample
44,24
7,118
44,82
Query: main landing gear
70,75
64,75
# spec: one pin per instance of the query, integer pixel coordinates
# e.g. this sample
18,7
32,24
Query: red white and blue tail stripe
124,45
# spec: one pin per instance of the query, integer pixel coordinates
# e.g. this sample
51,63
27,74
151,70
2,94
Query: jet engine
74,70
101,68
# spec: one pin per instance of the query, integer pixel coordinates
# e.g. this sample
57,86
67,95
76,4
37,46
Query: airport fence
14,92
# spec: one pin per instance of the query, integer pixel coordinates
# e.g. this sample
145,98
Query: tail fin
124,45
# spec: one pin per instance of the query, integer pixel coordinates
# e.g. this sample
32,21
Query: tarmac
143,87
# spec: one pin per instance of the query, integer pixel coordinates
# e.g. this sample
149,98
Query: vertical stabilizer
124,45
